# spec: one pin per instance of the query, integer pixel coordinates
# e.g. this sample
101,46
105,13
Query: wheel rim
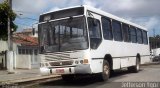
106,69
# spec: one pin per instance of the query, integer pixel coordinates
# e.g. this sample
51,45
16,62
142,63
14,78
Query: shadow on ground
86,81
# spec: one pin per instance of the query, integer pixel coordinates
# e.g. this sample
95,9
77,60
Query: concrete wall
23,61
3,45
27,61
35,61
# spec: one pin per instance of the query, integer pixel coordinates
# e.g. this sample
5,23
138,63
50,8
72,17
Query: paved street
150,73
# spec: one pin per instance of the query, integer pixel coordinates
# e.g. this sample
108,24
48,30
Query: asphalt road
149,75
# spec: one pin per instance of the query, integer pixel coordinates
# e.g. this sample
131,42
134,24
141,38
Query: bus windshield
63,35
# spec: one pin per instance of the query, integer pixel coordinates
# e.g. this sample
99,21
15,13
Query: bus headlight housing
76,62
81,61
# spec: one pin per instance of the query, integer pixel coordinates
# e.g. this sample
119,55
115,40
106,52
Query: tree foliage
154,42
5,12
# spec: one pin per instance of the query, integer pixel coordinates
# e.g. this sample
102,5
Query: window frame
127,32
109,29
133,35
145,38
139,36
116,31
100,32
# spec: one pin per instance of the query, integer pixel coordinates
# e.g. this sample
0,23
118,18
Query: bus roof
100,12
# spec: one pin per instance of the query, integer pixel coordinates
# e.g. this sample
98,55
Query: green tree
5,12
154,42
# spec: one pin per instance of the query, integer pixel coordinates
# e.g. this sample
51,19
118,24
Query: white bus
85,40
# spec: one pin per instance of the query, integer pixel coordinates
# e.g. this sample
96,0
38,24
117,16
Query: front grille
61,63
58,56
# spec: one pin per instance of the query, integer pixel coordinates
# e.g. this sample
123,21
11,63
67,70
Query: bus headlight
85,61
76,62
81,61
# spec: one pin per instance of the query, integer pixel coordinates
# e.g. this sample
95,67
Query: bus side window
133,34
145,38
139,36
107,30
94,32
126,34
117,32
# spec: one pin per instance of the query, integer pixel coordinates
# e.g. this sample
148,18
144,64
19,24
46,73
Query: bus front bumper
79,69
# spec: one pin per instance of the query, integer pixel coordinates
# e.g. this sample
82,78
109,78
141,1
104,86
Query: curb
28,79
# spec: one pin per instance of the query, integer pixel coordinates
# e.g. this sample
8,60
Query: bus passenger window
139,36
117,32
145,38
126,35
94,32
107,30
133,34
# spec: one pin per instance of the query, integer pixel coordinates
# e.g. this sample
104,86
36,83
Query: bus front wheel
104,76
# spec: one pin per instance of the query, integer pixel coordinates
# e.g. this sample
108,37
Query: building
28,32
25,46
27,49
3,58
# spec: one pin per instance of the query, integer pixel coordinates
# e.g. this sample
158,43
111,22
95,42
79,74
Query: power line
24,24
26,12
27,18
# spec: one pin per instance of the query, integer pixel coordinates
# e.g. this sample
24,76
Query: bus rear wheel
135,68
104,76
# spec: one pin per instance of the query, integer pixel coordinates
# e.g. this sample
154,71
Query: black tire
136,68
104,76
68,77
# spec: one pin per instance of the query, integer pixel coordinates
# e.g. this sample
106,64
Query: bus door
94,30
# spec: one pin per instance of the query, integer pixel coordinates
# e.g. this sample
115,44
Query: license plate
59,70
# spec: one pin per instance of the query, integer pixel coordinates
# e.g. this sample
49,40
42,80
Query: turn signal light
85,61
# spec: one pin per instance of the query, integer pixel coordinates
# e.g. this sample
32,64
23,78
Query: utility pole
10,53
9,28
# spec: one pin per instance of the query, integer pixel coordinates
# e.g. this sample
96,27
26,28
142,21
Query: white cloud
127,7
30,6
89,3
41,6
53,9
144,12
153,22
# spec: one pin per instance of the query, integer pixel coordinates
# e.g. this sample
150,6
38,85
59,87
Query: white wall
27,61
3,45
23,61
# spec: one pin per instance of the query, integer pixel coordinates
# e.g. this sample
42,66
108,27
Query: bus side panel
96,65
116,63
132,61
125,62
145,59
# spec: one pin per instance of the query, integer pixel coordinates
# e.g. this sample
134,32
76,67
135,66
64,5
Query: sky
142,12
